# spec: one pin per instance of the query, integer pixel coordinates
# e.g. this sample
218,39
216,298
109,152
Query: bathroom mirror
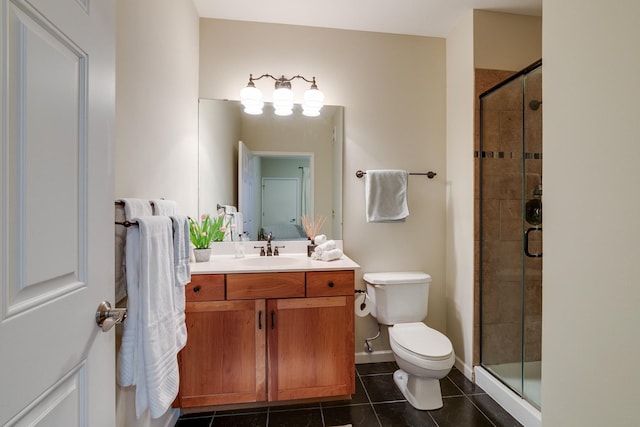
293,161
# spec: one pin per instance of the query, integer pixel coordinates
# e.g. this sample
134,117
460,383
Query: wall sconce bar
251,96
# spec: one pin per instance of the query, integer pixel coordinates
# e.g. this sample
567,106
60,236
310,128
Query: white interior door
280,201
245,188
56,208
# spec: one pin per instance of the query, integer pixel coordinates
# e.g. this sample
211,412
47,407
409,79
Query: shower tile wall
502,225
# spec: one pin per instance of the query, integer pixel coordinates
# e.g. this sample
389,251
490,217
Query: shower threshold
519,408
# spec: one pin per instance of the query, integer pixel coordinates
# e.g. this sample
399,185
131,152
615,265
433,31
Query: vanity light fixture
251,97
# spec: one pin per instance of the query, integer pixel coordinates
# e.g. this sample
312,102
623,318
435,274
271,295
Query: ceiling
433,18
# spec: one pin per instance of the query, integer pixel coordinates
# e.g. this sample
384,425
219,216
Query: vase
311,248
202,255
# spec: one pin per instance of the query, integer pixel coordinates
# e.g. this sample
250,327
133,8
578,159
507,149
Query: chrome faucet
269,250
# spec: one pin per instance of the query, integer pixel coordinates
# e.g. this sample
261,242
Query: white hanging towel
131,208
164,207
386,195
182,274
148,354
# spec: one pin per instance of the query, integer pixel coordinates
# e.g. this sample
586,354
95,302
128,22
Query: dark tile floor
376,403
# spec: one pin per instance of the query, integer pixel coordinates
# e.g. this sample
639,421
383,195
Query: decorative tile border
507,155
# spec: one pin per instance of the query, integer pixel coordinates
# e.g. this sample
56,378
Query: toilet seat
422,344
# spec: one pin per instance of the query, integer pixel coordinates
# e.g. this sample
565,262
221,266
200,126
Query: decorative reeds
312,228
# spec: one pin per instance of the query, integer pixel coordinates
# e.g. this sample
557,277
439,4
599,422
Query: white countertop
223,262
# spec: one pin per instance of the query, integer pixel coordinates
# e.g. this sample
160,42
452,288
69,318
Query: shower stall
510,233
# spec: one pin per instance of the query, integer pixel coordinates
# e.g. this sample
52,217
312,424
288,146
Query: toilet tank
398,297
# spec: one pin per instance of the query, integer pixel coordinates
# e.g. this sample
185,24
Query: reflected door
280,201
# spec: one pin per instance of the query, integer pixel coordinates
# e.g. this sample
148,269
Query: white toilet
424,355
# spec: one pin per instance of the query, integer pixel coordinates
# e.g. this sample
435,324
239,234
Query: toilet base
422,393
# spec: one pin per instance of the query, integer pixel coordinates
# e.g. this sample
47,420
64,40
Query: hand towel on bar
182,274
163,207
148,348
324,247
130,209
386,195
331,255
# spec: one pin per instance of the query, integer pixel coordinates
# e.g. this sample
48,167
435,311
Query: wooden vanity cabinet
276,337
310,348
224,359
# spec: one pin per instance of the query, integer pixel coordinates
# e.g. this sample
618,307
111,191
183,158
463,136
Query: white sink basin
271,261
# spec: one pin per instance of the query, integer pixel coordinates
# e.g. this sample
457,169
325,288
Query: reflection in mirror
273,168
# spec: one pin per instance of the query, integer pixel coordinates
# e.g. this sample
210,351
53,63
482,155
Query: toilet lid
422,340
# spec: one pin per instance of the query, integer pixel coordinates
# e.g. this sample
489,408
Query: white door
246,160
56,208
280,201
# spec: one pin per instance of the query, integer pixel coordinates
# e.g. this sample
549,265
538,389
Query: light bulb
313,102
251,99
283,101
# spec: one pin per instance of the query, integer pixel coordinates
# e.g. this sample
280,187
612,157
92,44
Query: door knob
107,317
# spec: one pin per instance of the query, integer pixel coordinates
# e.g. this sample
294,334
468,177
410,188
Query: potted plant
209,229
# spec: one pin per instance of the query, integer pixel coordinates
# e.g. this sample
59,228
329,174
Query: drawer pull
331,284
196,289
260,319
273,319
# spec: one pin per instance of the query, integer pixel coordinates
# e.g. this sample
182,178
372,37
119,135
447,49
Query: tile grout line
466,396
373,408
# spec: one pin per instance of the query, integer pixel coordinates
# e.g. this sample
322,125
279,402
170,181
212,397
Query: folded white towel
326,246
320,239
386,195
163,207
148,354
331,255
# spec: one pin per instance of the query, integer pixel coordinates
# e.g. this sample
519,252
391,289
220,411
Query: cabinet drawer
205,287
265,285
330,283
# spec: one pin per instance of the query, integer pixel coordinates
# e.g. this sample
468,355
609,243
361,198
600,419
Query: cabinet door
311,352
224,359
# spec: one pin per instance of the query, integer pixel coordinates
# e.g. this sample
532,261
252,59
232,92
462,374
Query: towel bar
126,223
429,174
121,203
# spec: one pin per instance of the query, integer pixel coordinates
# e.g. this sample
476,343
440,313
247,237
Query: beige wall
156,120
157,101
393,91
590,175
459,249
504,41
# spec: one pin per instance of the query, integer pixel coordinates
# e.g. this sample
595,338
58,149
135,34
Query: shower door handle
526,243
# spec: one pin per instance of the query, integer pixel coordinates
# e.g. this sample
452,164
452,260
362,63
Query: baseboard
174,418
464,368
374,357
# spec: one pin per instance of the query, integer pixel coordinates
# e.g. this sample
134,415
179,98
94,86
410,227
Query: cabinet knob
330,284
196,288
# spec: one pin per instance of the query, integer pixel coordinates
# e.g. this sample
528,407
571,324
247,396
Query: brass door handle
107,317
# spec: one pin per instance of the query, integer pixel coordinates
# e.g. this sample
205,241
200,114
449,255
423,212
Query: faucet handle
275,250
262,253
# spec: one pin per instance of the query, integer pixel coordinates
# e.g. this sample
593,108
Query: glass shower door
532,223
510,207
